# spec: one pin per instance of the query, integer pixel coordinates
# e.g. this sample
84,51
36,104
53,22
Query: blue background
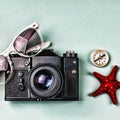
79,25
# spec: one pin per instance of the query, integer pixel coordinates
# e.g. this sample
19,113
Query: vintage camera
45,76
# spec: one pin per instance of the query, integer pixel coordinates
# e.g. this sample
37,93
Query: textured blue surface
79,25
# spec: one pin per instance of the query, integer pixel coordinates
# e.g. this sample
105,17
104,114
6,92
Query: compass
100,58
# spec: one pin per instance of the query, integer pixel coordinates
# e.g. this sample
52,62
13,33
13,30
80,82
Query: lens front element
43,79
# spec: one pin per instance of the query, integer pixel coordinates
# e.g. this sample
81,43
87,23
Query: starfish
108,84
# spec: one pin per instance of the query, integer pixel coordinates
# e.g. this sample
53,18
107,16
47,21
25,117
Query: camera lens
43,79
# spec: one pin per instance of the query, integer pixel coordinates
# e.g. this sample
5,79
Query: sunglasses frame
12,50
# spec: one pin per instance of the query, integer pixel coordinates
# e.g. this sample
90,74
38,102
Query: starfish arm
113,97
113,73
118,84
99,91
99,76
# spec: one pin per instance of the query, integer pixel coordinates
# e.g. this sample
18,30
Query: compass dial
100,58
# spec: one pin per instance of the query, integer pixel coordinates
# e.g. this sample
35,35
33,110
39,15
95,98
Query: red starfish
109,84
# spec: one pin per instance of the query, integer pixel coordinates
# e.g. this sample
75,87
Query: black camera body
45,76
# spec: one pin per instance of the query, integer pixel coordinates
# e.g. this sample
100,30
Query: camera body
45,76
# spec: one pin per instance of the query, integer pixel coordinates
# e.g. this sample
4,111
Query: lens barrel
45,81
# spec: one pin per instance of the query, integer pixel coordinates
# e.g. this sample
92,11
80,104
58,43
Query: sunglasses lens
3,63
26,40
20,44
33,45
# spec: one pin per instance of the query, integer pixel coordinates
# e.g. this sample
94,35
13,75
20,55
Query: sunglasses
27,43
